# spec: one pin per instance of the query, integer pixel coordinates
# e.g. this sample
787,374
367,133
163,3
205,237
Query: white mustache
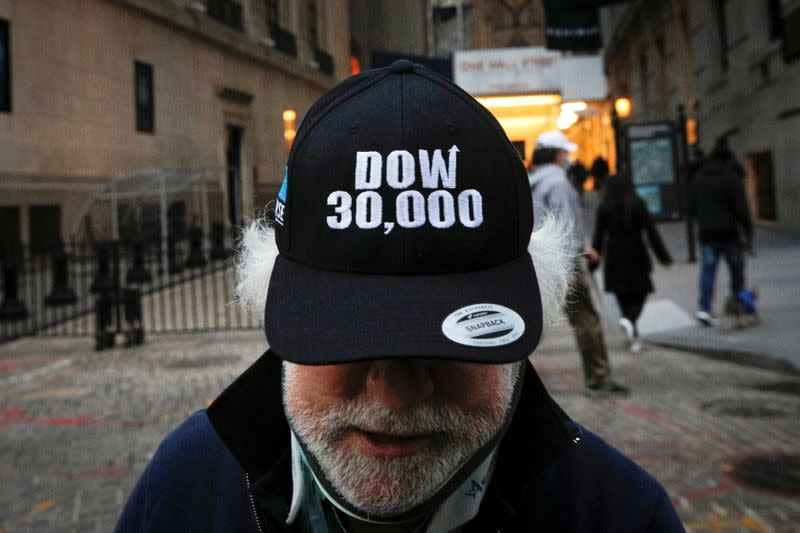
376,418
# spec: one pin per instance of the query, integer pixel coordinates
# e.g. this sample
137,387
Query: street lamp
621,109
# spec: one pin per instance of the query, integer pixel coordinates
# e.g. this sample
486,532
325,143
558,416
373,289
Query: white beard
389,486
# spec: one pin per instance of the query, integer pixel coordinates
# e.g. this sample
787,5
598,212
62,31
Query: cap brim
570,147
320,317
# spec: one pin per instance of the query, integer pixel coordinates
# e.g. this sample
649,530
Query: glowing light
623,107
574,106
355,65
289,134
566,119
691,131
289,115
520,101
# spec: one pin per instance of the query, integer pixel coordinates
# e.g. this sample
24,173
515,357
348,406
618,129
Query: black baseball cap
402,227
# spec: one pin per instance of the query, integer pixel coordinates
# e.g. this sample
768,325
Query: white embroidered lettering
369,166
341,202
397,176
410,209
441,209
369,210
434,170
470,208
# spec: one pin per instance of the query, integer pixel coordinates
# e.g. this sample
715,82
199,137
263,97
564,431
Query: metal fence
184,284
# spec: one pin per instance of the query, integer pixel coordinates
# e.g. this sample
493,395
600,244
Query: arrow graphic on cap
451,172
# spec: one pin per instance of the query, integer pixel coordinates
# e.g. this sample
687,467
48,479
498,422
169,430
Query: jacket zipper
253,503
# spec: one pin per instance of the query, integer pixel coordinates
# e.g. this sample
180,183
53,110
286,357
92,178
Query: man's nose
400,384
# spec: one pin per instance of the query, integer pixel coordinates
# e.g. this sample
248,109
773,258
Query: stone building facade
100,89
735,66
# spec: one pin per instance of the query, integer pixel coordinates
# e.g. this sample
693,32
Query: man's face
388,434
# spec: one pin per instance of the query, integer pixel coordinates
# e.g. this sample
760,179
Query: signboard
571,28
530,70
653,164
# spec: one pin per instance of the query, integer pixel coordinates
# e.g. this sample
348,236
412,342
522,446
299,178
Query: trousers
631,305
588,329
711,252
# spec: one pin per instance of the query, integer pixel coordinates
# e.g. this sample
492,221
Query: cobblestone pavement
78,427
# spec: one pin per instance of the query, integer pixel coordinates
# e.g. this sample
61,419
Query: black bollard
138,273
11,308
196,258
104,328
174,264
218,249
62,293
134,331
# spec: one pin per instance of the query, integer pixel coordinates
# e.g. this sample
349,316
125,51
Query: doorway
233,165
764,182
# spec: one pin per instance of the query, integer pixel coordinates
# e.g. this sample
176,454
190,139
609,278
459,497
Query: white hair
549,249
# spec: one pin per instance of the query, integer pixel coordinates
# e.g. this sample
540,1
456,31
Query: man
400,311
553,193
719,204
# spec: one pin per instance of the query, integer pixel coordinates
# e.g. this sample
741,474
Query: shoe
627,327
609,386
636,346
706,318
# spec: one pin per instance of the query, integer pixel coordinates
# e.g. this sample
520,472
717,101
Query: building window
644,86
312,24
722,33
44,228
228,12
284,41
775,15
9,229
5,67
145,104
273,14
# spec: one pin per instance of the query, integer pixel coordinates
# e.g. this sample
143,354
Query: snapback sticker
483,325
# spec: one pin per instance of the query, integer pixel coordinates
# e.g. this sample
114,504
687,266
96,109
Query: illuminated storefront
531,90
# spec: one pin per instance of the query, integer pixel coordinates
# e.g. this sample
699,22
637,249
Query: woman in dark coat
622,219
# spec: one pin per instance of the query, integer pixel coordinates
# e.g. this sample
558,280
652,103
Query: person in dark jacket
621,222
718,203
396,394
599,171
577,176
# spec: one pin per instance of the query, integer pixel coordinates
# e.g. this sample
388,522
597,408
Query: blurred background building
532,74
733,65
94,90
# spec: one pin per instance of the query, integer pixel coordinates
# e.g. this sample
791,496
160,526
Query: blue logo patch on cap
280,203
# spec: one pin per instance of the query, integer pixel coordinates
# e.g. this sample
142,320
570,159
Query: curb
744,355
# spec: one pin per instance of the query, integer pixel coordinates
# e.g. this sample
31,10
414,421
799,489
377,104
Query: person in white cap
553,193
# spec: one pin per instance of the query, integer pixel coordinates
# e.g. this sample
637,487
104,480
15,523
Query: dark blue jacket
227,469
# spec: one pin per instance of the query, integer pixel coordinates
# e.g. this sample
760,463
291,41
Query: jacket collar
249,418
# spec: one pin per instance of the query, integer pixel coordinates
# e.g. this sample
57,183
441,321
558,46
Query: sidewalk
668,318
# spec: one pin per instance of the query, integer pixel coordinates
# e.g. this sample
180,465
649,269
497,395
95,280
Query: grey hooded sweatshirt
553,193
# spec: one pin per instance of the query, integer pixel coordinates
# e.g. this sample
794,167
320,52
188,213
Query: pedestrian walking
577,175
552,192
622,221
599,171
403,293
718,203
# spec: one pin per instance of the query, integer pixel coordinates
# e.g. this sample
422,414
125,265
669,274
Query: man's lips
389,445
